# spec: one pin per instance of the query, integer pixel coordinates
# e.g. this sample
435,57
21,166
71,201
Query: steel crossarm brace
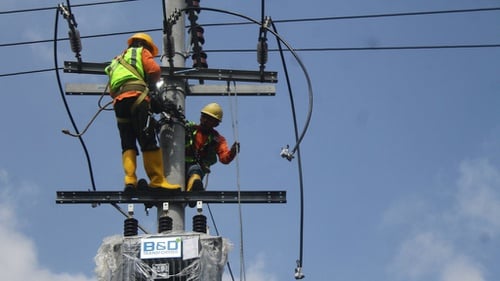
80,89
112,197
183,72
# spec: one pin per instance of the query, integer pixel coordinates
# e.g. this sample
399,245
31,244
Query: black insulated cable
298,274
73,33
298,270
68,111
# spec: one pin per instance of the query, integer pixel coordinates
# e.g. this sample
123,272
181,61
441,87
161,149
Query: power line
321,49
82,37
275,21
325,49
53,8
366,16
28,72
394,15
329,49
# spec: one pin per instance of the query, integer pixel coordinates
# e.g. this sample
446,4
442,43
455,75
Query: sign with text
161,247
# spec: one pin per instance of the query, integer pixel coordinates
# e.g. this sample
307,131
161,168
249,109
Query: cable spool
130,227
165,223
200,223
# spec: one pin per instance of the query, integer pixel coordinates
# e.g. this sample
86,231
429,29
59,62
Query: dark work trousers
132,125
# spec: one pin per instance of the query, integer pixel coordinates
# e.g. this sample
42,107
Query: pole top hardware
184,72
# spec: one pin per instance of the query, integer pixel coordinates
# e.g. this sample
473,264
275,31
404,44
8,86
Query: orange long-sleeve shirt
203,148
152,71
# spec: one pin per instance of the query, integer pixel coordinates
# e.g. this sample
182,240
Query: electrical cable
328,49
66,106
234,124
366,16
68,111
280,21
67,132
298,271
286,154
50,8
101,108
277,21
298,138
216,228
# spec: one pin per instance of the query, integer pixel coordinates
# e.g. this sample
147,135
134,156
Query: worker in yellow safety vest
204,145
130,76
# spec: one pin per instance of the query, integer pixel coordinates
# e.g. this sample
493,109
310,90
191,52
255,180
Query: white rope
233,106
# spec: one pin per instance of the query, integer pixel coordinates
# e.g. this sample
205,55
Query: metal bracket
113,197
81,89
184,72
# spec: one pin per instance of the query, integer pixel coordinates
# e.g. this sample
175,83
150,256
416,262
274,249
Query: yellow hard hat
147,38
214,110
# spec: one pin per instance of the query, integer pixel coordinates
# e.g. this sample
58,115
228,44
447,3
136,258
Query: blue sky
401,161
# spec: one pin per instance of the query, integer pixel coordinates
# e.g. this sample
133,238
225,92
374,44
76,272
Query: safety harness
207,147
131,85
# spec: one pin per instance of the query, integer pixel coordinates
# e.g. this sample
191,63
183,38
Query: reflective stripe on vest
118,74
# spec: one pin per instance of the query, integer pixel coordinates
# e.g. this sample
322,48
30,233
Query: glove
235,148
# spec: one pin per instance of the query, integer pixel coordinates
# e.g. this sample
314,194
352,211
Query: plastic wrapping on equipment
202,258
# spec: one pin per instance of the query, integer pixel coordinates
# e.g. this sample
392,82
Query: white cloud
478,194
18,261
421,256
462,269
433,249
255,272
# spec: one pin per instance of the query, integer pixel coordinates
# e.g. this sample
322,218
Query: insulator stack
200,223
197,33
262,51
195,4
165,223
130,227
199,57
75,41
200,60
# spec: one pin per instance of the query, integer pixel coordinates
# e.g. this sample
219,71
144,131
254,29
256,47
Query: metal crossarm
112,197
183,72
80,89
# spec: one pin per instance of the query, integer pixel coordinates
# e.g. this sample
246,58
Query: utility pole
162,256
172,135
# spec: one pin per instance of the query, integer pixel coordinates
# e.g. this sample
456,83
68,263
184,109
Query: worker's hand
235,148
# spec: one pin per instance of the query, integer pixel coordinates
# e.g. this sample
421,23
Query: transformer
170,257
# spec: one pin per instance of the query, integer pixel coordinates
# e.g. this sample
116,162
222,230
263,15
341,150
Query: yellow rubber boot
153,164
194,183
129,160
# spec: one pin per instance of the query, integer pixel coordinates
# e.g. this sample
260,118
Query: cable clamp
298,272
286,154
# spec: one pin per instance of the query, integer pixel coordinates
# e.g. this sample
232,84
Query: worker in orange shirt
204,145
130,76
